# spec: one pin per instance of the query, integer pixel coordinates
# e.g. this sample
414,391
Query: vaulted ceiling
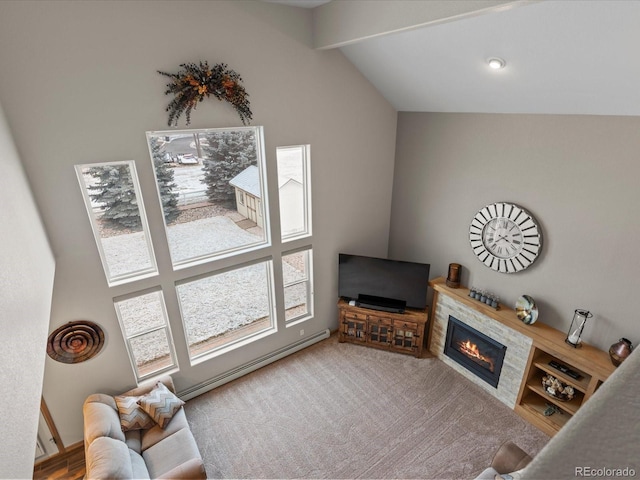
562,56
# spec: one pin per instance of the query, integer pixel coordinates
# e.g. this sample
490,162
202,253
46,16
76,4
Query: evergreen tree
226,155
114,192
165,179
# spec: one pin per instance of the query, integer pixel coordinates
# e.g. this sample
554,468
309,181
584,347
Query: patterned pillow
132,417
161,404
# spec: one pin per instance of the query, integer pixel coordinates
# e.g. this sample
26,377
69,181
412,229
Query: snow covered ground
209,306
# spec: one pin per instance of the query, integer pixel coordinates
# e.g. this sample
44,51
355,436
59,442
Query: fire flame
471,350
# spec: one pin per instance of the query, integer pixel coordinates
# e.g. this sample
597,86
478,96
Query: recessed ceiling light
496,63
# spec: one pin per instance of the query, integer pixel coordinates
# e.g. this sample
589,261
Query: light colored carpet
346,411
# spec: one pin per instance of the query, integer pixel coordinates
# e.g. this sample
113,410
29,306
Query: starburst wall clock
505,237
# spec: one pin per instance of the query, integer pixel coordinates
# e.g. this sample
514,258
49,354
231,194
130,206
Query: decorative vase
620,350
526,309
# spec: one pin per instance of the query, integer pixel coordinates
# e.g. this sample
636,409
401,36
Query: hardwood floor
68,465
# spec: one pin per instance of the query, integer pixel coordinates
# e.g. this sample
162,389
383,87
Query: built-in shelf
548,344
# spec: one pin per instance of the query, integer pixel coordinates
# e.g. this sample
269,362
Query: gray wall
26,282
576,174
79,85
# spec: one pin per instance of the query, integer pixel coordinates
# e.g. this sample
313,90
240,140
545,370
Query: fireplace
475,351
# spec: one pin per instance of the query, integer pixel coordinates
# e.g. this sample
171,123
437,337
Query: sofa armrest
510,458
101,419
191,469
108,459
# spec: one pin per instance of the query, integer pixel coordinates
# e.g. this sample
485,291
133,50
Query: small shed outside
248,194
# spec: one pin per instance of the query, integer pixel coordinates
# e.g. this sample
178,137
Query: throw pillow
161,404
132,417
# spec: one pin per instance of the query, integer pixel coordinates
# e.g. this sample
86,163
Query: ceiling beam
342,22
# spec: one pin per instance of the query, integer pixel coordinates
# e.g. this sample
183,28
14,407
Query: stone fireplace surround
518,345
530,350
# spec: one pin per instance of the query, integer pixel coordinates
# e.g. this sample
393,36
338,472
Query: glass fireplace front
475,351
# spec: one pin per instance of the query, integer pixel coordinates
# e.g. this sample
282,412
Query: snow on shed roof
248,180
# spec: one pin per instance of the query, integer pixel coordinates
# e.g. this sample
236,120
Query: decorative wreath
195,82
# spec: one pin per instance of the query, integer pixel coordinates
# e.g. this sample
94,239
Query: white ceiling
563,57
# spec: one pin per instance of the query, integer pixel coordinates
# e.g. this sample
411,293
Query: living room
80,85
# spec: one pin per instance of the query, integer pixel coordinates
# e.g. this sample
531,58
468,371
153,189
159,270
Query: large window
112,197
211,184
219,283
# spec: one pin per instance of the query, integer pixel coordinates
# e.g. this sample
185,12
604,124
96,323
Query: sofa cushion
156,434
173,452
161,404
132,416
108,458
138,467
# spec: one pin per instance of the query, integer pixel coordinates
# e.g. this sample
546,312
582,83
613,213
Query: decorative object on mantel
453,278
620,350
194,83
580,318
526,309
557,389
505,237
485,297
75,342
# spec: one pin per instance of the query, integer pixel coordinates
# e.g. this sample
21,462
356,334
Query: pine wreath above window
194,83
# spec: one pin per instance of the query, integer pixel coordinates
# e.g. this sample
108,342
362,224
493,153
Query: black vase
620,350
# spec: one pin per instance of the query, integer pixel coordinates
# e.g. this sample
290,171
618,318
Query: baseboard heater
251,366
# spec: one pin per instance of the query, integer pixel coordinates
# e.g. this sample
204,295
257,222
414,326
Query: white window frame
208,265
174,367
246,339
308,281
260,163
114,280
306,192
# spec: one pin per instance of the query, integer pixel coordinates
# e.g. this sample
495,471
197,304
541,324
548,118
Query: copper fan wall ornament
75,342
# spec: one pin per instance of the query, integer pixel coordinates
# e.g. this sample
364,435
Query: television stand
396,332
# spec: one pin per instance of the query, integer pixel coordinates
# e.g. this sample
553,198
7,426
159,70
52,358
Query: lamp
577,326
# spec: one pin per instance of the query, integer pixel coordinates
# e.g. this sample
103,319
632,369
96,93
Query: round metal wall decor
75,342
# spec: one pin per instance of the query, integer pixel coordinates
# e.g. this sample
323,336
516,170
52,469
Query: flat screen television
382,284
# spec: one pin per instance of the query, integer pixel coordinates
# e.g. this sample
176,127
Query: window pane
294,191
297,281
143,320
142,313
211,189
151,352
112,197
226,307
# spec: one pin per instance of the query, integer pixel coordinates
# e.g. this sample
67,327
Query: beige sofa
151,453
